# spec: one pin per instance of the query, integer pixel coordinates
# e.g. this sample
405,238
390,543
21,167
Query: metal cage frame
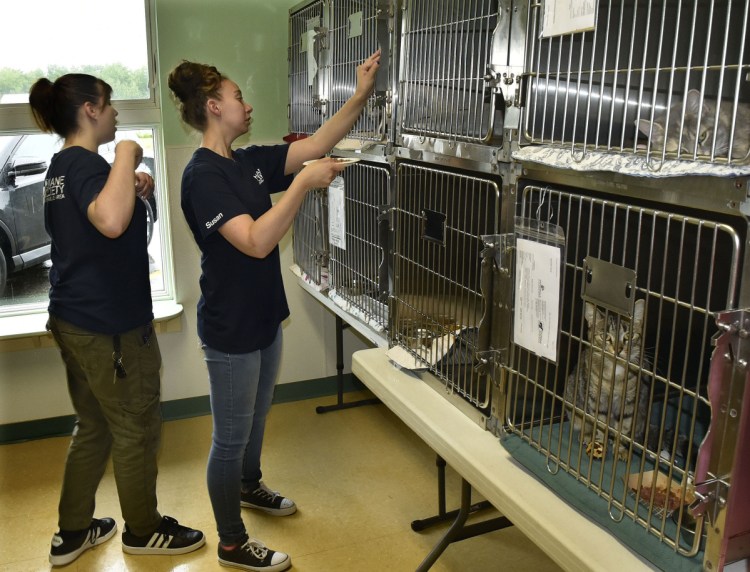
439,303
666,245
359,267
651,79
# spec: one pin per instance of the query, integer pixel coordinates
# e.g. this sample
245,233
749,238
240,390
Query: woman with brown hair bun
101,317
226,201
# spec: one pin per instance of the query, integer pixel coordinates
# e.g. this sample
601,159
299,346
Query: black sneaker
256,556
68,545
268,501
169,538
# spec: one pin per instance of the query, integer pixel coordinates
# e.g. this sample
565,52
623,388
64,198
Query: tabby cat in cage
608,380
693,105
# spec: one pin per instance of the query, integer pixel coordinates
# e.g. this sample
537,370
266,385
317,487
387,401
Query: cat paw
622,454
595,450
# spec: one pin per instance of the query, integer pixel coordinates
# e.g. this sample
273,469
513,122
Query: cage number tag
568,16
537,297
355,24
336,214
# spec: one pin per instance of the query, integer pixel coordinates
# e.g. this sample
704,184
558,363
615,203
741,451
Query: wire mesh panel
304,109
624,408
358,267
664,78
310,238
353,38
437,304
447,51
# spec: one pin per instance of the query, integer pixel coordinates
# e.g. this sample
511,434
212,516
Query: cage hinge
388,214
321,38
321,257
384,9
319,103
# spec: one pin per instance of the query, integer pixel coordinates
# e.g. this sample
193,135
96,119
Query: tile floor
359,477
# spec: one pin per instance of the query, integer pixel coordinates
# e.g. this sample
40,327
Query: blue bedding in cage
613,476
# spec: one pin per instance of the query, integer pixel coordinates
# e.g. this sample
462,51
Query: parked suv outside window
23,240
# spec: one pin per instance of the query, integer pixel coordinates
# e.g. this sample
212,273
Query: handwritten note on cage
336,214
568,16
537,298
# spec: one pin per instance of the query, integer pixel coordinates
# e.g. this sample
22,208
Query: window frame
17,118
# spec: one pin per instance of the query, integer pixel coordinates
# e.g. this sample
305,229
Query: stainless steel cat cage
453,56
357,29
310,238
649,78
641,286
437,303
358,265
307,54
327,40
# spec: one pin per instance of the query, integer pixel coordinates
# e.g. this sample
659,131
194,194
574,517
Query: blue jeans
241,393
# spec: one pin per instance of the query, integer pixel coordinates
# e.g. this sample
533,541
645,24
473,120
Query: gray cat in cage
703,133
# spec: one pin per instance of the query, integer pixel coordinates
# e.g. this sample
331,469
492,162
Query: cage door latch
710,498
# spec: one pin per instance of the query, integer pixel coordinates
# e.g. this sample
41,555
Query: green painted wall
245,39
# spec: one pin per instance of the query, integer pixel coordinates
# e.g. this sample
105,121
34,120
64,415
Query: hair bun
185,79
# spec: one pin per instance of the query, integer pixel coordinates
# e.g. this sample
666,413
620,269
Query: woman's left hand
366,76
144,185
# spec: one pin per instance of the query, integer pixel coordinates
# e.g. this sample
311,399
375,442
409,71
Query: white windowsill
29,331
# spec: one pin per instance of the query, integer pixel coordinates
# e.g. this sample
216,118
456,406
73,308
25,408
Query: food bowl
687,525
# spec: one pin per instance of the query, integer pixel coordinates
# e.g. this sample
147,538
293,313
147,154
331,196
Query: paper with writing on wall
537,297
568,16
336,214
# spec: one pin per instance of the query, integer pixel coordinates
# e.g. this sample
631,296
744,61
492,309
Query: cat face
620,338
695,136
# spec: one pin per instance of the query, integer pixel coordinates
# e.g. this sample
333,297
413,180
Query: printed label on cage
537,297
568,16
336,214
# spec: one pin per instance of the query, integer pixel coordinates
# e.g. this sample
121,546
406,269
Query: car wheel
3,272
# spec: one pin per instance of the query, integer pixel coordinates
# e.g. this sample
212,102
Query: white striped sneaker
170,538
69,545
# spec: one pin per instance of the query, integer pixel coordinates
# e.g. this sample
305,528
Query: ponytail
55,105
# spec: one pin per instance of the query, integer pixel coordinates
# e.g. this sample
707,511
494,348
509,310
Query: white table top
568,537
378,339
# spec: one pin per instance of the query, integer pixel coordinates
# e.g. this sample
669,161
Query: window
112,44
116,49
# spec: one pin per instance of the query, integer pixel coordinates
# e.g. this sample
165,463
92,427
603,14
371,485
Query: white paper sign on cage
568,16
337,214
537,297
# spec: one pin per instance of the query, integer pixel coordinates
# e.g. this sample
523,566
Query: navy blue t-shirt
96,283
242,298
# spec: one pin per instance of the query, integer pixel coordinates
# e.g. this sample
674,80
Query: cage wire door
437,306
358,217
664,79
357,29
307,45
447,54
310,238
624,408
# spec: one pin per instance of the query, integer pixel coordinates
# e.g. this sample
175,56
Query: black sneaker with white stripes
170,538
255,556
67,545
